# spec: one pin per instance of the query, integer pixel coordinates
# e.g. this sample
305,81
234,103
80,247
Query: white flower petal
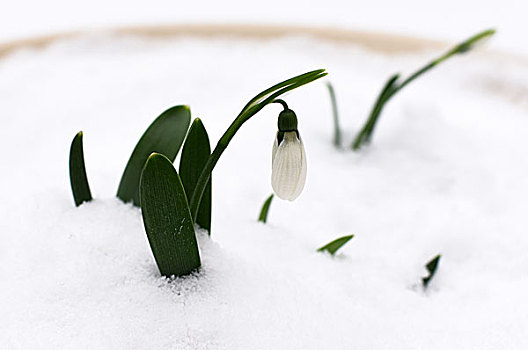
274,150
289,167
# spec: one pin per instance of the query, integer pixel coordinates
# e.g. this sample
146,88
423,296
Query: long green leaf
393,87
195,153
165,135
335,245
78,179
365,134
167,219
263,217
431,267
335,113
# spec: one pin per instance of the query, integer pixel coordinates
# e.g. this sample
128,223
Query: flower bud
288,165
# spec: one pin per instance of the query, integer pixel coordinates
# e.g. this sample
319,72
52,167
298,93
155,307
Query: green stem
282,102
335,113
390,90
250,109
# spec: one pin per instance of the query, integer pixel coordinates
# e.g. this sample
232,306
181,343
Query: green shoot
195,152
335,245
335,113
167,219
263,217
165,135
392,87
431,267
78,179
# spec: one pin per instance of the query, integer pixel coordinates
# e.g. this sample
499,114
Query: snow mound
446,173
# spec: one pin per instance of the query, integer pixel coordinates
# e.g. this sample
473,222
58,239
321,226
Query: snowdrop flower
288,173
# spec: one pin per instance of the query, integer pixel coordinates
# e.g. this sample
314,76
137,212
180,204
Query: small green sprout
335,245
431,267
78,179
263,217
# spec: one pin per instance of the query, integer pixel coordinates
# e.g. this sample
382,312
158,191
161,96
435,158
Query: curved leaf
335,245
263,217
78,179
431,267
195,153
167,219
165,135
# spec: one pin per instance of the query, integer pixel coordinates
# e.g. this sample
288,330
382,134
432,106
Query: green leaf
167,219
263,217
431,267
364,136
335,113
78,180
393,87
195,153
165,135
335,245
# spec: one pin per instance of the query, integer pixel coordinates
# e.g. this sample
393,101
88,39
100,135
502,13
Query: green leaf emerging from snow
431,267
263,217
165,135
78,179
195,153
335,245
335,113
167,219
393,86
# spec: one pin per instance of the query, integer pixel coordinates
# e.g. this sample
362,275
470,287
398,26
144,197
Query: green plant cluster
174,202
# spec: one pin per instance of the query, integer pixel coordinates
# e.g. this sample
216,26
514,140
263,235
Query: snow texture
446,173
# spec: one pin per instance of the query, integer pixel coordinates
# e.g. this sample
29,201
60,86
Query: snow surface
446,173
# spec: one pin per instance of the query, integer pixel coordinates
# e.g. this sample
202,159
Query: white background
446,19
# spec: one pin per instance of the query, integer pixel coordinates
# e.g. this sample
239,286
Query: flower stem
282,102
250,109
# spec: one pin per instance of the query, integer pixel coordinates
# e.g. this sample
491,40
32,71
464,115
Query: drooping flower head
288,157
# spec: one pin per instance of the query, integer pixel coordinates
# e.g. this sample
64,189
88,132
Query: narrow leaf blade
335,113
263,217
335,245
431,267
365,134
78,179
167,219
195,153
165,136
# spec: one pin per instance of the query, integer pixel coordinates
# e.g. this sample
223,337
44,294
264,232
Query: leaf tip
335,245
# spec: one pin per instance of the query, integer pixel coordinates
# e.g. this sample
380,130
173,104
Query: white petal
289,167
274,150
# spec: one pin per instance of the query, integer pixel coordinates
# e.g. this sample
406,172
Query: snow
446,173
